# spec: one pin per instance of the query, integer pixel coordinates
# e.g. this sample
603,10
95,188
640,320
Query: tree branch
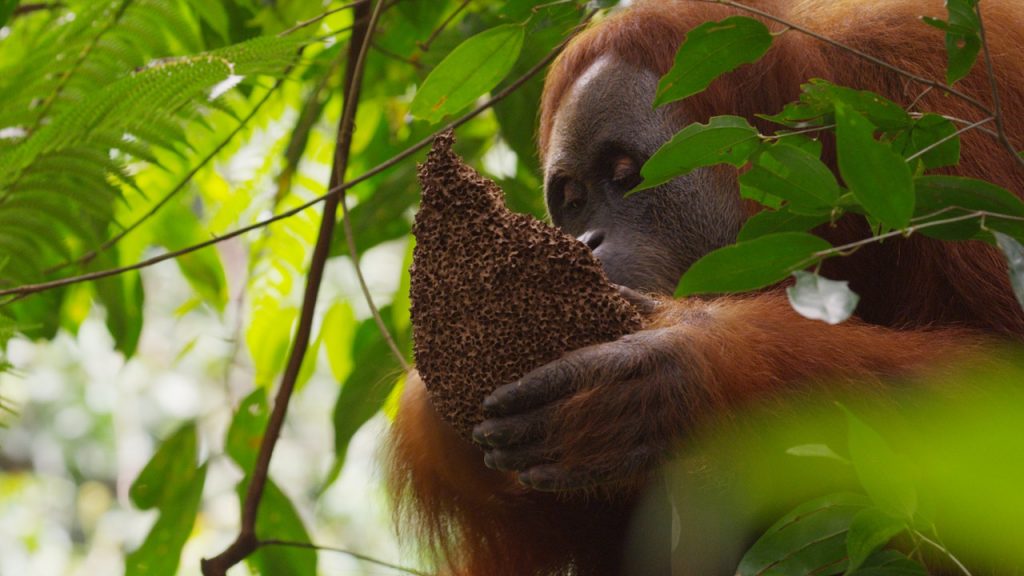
246,542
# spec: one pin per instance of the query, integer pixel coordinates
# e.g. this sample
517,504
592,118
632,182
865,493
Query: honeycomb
496,294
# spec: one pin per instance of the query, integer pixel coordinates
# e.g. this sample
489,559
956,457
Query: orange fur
923,302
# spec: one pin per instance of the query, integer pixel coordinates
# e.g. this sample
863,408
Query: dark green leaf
808,540
963,38
794,175
870,530
751,265
876,175
278,520
723,140
882,473
936,194
1014,252
373,376
469,71
926,132
122,297
774,221
247,427
6,10
710,50
819,98
169,471
890,563
822,299
159,555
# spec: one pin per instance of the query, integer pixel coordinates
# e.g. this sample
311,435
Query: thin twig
321,16
356,555
945,551
908,231
246,542
955,120
25,9
395,56
383,166
996,102
425,45
921,79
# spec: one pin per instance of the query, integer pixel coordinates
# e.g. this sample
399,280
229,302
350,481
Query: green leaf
338,331
723,140
818,99
710,50
883,474
937,194
6,10
373,376
168,472
245,434
278,520
877,176
774,221
890,563
122,298
268,337
870,530
1014,252
805,541
928,131
469,71
963,37
160,554
822,299
794,175
751,265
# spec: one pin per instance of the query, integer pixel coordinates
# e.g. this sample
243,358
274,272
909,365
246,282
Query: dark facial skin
603,133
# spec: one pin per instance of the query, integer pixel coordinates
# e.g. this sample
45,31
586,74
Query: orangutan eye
574,195
625,171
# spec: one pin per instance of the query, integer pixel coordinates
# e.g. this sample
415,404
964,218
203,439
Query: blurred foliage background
130,128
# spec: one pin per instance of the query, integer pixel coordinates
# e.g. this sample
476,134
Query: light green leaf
805,541
877,176
870,530
469,71
1014,252
822,299
710,50
268,336
794,175
883,474
338,332
751,265
723,140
